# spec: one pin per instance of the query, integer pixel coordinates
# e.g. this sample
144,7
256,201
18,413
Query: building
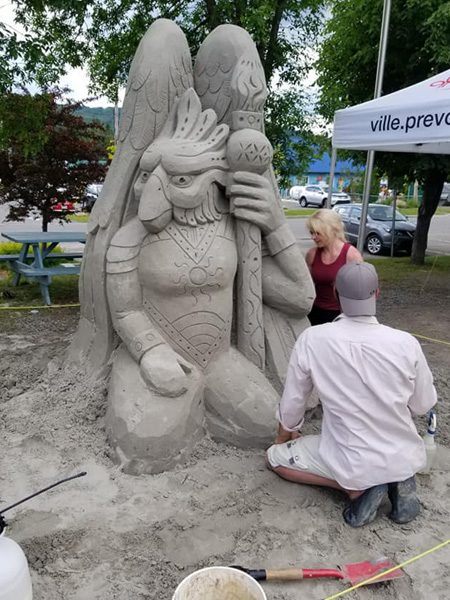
319,171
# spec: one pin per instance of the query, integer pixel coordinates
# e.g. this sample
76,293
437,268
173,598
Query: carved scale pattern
199,334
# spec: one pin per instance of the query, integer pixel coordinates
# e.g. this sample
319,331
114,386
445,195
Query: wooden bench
32,265
48,271
67,255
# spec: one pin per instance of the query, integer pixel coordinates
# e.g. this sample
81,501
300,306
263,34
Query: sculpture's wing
213,77
160,73
215,73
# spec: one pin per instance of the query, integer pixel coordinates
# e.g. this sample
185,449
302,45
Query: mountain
104,115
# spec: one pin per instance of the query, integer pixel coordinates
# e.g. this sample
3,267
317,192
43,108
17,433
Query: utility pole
378,92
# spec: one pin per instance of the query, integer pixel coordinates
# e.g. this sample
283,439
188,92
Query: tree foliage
104,34
22,121
51,162
418,47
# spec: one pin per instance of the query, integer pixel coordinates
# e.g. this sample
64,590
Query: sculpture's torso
187,276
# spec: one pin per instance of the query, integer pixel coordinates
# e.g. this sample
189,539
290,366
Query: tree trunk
432,188
268,60
211,11
44,222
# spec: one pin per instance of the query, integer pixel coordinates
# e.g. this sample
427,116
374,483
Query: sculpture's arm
286,281
125,293
160,365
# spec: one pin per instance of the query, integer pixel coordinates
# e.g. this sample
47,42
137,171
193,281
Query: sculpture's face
181,185
177,171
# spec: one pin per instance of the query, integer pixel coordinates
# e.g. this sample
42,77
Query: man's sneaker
405,505
363,509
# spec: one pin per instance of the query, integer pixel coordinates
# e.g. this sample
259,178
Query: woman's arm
310,256
353,254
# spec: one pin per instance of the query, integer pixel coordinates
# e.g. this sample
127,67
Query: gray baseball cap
356,284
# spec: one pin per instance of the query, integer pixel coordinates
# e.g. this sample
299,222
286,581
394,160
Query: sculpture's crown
193,142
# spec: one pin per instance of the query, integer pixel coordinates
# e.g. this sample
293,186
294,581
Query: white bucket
15,582
219,583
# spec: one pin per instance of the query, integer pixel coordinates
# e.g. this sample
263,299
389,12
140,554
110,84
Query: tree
418,47
104,34
47,154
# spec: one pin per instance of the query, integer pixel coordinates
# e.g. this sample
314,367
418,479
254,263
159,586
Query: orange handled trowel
354,573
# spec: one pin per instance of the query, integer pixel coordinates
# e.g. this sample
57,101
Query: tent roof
415,119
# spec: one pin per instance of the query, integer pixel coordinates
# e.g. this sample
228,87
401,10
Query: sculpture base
149,433
240,402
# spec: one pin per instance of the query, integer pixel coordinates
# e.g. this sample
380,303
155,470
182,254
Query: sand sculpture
193,290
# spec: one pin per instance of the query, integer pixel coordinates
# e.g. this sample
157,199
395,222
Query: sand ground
113,536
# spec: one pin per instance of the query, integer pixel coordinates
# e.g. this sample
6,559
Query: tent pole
378,90
394,208
365,201
331,178
382,49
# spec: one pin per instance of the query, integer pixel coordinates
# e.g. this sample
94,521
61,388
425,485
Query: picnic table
30,262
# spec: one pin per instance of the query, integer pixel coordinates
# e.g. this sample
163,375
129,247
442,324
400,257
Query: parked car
91,193
296,191
378,227
445,195
316,195
337,197
63,207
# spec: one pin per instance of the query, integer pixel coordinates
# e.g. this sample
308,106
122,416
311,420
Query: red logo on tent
441,84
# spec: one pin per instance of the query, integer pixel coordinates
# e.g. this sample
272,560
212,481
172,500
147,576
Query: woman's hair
328,223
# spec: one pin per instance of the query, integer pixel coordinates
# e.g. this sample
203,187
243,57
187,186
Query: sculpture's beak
154,204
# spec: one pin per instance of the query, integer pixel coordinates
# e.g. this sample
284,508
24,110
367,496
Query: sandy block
150,433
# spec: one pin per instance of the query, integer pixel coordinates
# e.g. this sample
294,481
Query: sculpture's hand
165,371
252,198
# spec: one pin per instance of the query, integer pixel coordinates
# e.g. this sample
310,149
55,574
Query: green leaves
418,46
288,127
23,122
103,35
47,153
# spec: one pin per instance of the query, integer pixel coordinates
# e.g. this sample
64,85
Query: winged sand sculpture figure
193,290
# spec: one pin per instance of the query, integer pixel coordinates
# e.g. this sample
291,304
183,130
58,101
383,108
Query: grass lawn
410,212
63,290
399,270
79,217
300,212
296,212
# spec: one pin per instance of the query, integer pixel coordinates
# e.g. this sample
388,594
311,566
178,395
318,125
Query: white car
296,191
316,195
91,193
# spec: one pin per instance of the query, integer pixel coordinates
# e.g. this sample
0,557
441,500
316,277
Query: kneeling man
370,378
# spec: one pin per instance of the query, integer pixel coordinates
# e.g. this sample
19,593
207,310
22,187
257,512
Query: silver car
316,195
91,194
378,227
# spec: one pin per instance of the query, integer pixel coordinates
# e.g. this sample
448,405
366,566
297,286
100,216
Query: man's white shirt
369,378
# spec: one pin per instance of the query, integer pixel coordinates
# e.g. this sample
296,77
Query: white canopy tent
415,119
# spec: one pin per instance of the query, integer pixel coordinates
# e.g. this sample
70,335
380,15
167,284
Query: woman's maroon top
324,277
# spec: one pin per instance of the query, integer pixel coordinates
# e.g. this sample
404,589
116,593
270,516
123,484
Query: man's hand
284,436
165,371
253,200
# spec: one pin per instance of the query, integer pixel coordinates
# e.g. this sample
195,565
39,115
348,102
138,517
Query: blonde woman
331,252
